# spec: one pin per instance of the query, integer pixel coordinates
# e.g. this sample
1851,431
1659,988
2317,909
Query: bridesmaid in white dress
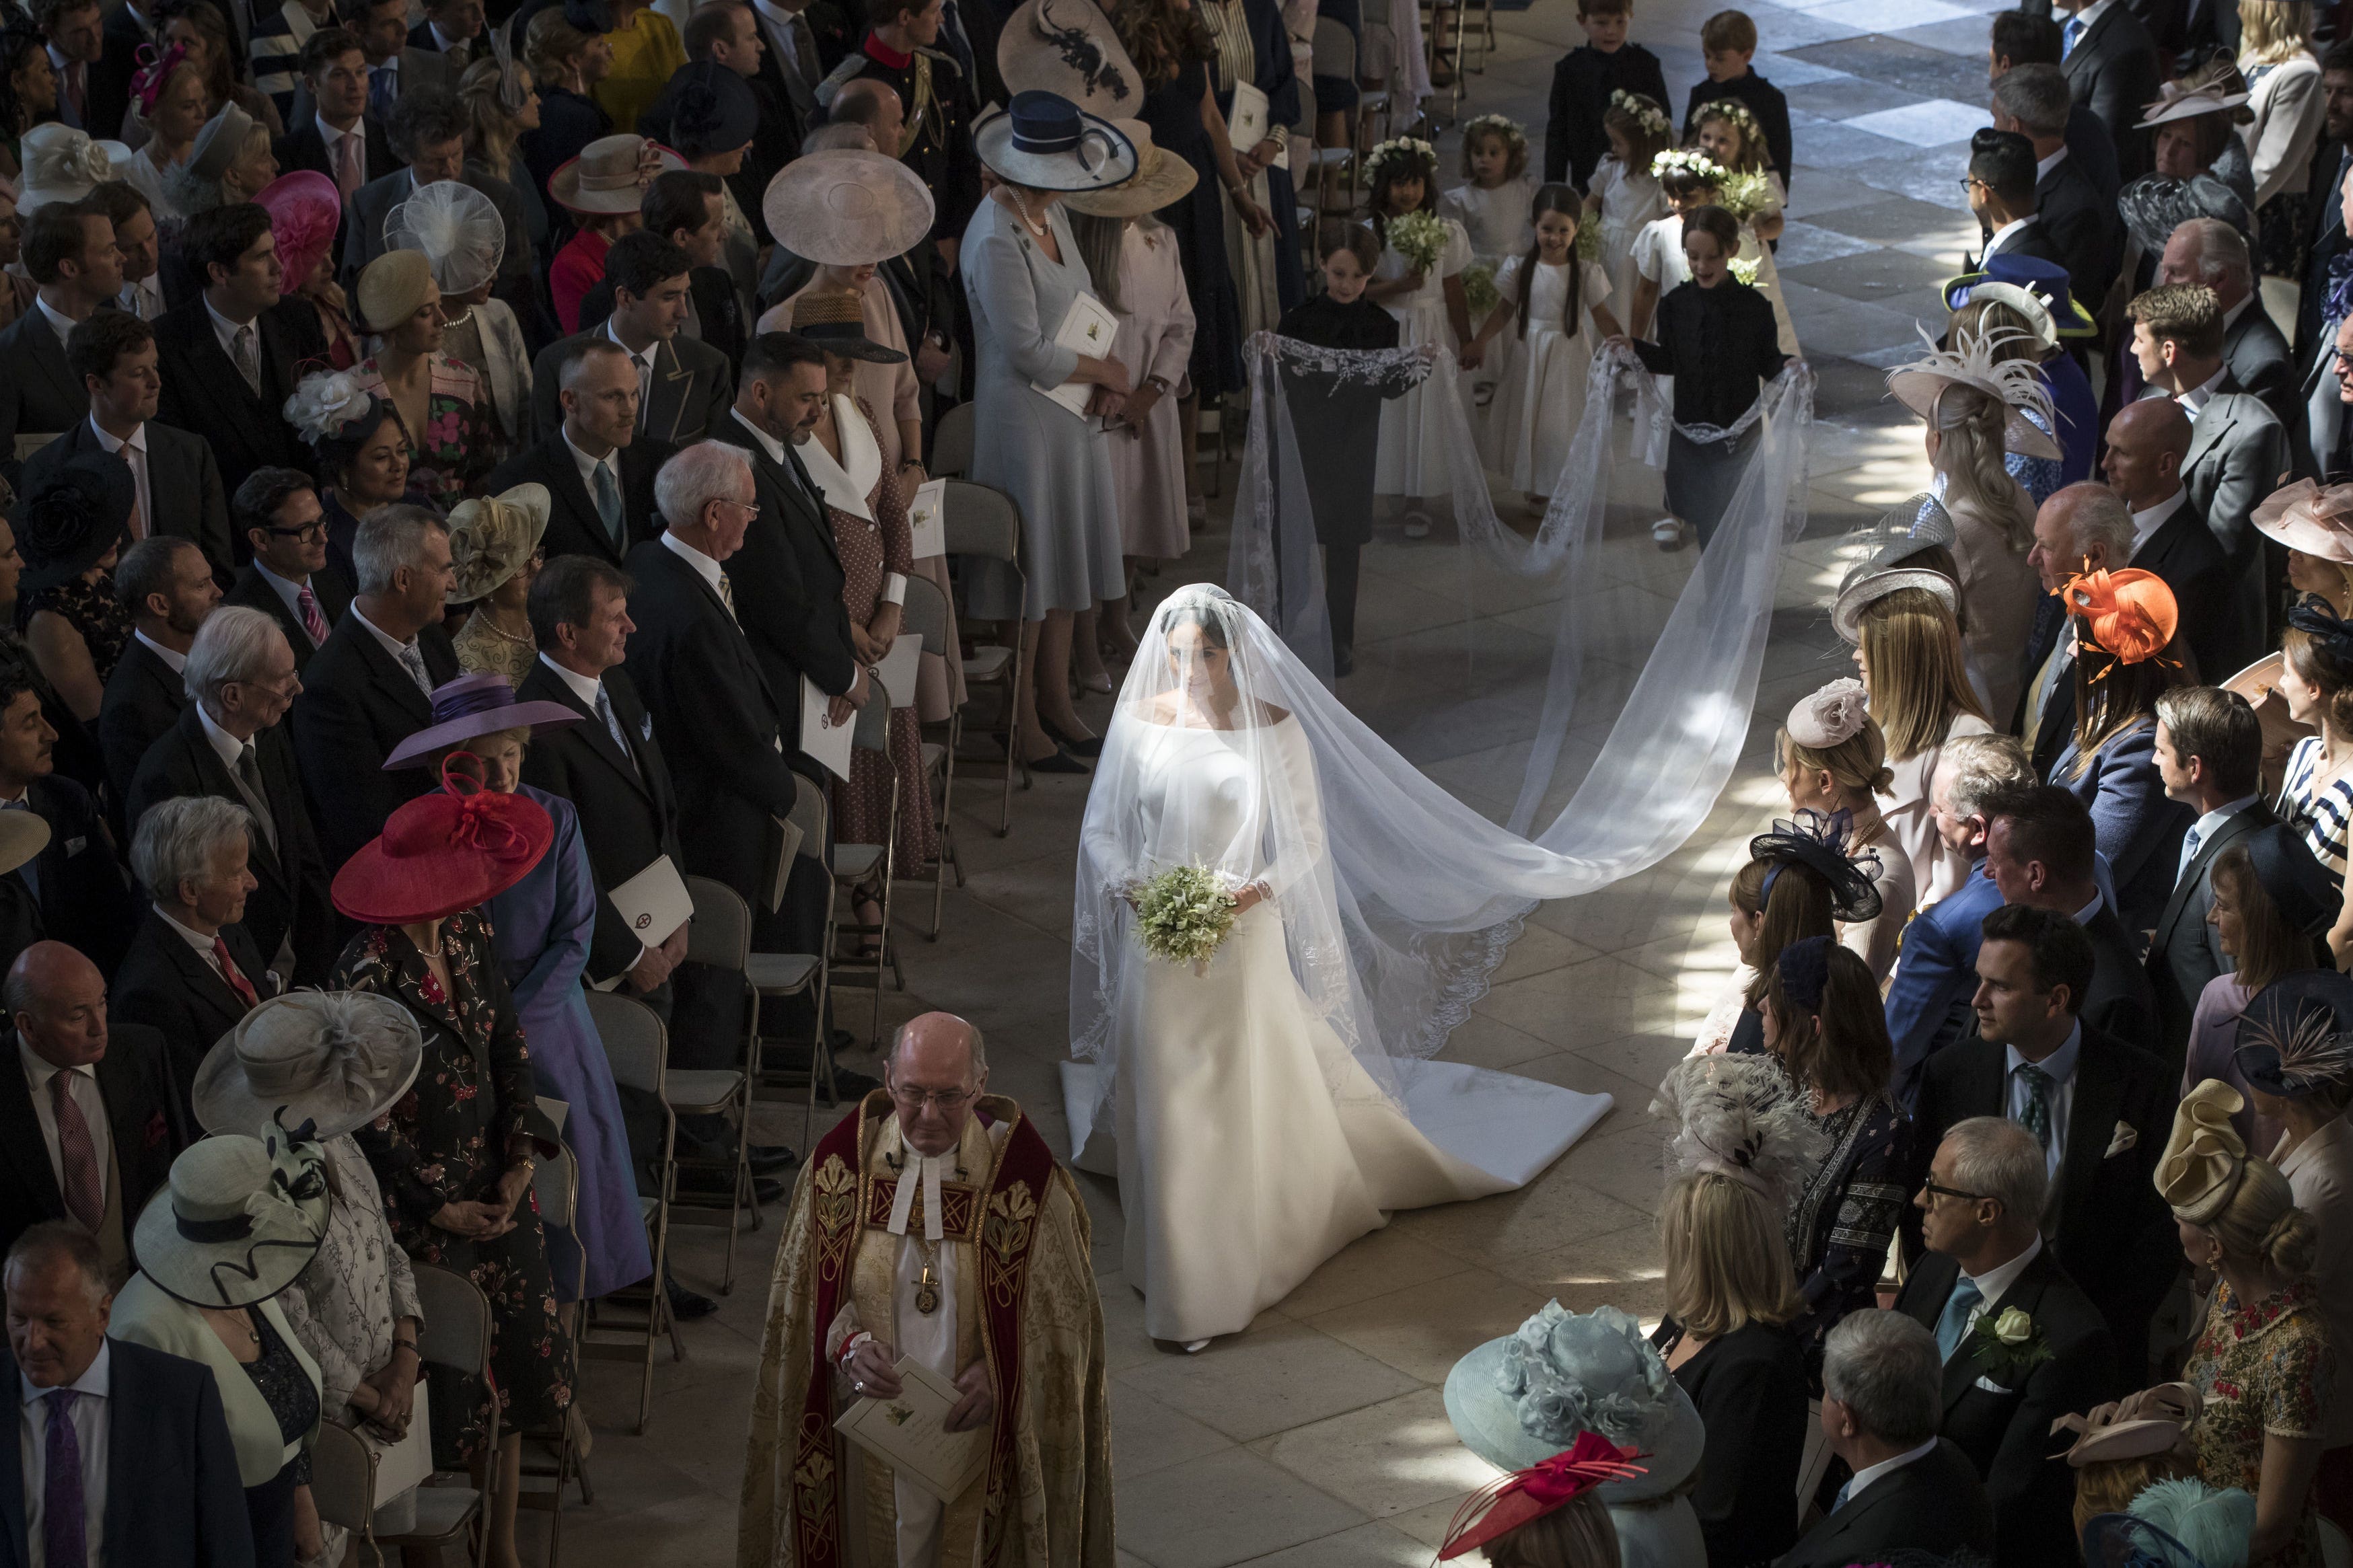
1492,205
1623,192
1431,308
1548,338
1260,1123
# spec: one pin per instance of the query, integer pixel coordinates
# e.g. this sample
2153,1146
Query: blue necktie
608,505
2069,34
1839,1501
1955,1318
2035,1115
384,85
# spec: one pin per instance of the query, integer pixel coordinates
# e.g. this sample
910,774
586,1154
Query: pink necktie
78,94
235,977
314,625
347,155
138,513
76,1154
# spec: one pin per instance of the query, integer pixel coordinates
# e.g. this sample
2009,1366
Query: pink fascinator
1830,717
305,209
153,75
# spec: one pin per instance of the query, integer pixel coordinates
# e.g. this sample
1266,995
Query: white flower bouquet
1421,238
1743,196
1184,914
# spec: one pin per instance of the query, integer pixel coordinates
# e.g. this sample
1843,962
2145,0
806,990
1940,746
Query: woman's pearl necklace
1022,209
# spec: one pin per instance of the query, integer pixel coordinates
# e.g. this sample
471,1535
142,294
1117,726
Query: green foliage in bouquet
1743,271
1183,914
1744,195
1588,241
1479,291
1421,238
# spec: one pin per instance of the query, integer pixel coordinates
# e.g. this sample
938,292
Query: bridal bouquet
1183,914
1421,238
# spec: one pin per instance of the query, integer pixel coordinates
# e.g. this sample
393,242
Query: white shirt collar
645,358
189,934
584,688
291,592
107,442
226,330
227,747
2214,819
96,1382
1996,1281
2090,14
40,1069
693,557
178,661
773,12
329,134
60,323
587,464
2195,400
2043,166
391,644
769,443
2001,234
392,65
1870,1473
2230,316
443,41
2146,523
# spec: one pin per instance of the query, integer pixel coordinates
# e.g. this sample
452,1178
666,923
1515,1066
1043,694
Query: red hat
1510,1502
2130,614
444,852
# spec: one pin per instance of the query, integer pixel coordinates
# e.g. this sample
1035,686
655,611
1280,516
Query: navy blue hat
2294,877
1046,143
706,108
2295,1037
2046,280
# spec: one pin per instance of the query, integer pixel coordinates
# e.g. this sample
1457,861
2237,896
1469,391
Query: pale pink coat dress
1155,337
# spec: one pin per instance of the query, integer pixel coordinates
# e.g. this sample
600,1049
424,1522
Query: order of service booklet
910,1434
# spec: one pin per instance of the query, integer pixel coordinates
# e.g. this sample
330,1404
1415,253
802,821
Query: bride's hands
1245,897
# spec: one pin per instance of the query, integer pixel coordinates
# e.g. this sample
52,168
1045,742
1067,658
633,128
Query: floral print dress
460,445
1839,1229
449,1139
2263,1371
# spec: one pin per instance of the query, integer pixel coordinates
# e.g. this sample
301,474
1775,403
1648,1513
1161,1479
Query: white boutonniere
2125,1137
2009,1344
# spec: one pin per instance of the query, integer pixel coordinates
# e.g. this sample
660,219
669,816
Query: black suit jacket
173,1495
2059,713
693,383
38,393
1936,1504
2185,554
574,527
304,148
2185,952
183,480
289,896
357,704
144,699
627,804
2113,70
329,587
718,311
2086,231
2112,1233
2005,1429
2326,237
2119,1001
789,562
204,395
164,984
85,899
143,1113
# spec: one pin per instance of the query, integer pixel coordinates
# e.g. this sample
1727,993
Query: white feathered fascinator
456,228
325,403
2028,418
1741,1117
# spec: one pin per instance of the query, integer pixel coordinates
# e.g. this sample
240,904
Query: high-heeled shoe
1099,682
1090,747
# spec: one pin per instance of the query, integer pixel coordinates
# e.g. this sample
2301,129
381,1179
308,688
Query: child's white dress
1540,391
1629,203
1413,461
1497,221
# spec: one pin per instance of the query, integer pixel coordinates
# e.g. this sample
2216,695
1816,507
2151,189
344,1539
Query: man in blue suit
134,1468
1936,974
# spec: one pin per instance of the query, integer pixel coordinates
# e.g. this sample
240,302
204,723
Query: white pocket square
1991,1387
2125,1137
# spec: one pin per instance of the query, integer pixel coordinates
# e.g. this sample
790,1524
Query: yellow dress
646,54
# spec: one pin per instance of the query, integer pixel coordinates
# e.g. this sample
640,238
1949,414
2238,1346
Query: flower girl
1625,194
1493,206
1418,281
1552,314
1727,131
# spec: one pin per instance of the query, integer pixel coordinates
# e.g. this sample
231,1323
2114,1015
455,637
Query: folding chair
781,973
1334,49
857,865
637,1048
457,1335
555,1186
926,615
952,444
978,520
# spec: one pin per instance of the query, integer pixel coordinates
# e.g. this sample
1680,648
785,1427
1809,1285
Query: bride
1272,1104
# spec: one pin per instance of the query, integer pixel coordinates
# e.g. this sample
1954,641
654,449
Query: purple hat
471,706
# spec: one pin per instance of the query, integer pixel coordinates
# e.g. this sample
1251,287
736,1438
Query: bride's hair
1201,613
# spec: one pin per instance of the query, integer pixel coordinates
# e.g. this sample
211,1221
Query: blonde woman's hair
552,46
1578,1534
490,131
1917,681
1727,1265
2261,1224
1858,764
2011,337
2109,1485
1968,425
2273,31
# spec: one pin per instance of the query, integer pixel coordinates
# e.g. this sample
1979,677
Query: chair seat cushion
703,1089
852,862
441,1511
988,663
773,973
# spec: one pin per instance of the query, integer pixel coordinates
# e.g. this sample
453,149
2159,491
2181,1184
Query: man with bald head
935,1257
88,1113
2207,250
2082,528
2147,444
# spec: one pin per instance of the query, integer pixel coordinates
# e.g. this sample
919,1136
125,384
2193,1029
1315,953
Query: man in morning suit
144,1447
169,590
2207,250
2110,65
90,1122
1928,1002
2039,852
279,516
2031,100
193,971
231,358
340,139
688,208
371,687
597,467
229,743
2097,1105
2210,753
2147,441
2020,40
2001,197
2081,528
70,256
74,880
1911,1488
684,386
1980,1208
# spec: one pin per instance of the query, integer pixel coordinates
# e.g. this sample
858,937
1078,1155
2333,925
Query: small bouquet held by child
1184,914
1420,237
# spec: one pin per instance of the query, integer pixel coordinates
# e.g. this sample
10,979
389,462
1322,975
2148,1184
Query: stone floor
1318,1436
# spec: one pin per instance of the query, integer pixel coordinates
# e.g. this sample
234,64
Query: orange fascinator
2129,613
1507,1502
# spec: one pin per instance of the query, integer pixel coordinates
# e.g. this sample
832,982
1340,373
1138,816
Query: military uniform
937,144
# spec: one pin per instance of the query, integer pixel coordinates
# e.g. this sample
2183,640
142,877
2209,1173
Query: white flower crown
1648,115
1732,108
1689,160
1510,130
1412,147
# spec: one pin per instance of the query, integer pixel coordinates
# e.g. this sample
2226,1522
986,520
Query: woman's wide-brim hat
492,537
469,708
2307,517
2139,1427
1487,1422
611,174
2154,205
2177,101
456,228
1919,523
61,165
239,1219
2014,384
336,1059
1043,141
1161,178
1824,845
22,835
1069,47
2044,285
392,287
836,322
305,210
846,208
2295,1039
67,527
219,143
447,851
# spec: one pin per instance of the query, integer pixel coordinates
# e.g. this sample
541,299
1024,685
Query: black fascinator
1825,846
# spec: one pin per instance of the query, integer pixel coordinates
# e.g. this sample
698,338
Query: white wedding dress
1250,1141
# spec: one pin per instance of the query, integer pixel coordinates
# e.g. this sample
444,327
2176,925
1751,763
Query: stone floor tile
1366,1546
1384,1460
1802,242
1424,1329
1551,1214
1374,1264
1896,63
1147,1436
1932,122
1224,1508
1428,1523
1267,1381
1870,277
1964,36
1843,98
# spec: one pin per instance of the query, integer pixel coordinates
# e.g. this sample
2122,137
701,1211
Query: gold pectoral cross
927,1286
